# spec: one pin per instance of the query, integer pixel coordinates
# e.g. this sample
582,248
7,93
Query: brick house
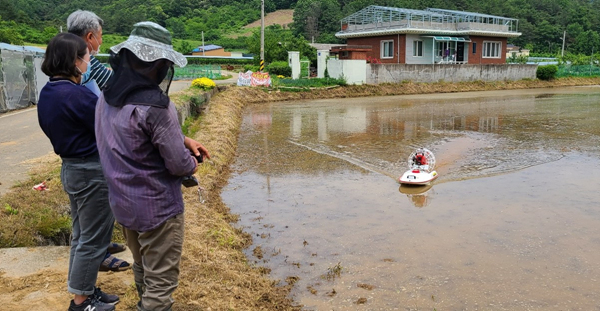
431,36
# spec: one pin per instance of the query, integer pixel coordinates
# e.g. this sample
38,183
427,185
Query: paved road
21,143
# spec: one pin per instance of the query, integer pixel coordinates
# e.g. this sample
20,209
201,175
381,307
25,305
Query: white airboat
421,164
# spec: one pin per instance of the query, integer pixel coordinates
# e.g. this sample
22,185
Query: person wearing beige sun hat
145,156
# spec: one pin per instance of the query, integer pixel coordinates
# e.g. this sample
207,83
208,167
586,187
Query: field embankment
258,95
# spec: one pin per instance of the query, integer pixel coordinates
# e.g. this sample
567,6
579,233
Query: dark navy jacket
66,115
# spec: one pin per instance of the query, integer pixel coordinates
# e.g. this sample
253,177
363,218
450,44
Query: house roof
324,46
19,48
378,21
206,48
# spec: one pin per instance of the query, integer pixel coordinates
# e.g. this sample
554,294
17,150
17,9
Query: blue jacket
66,115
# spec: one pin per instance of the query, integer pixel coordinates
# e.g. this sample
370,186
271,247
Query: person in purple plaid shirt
144,156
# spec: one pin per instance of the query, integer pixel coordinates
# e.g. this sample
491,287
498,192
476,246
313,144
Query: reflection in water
511,224
404,122
419,196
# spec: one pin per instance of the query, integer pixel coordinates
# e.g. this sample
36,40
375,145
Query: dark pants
92,218
156,256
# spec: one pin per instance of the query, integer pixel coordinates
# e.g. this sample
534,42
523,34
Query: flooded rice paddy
512,223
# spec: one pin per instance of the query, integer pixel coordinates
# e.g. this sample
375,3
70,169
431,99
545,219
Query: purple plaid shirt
143,158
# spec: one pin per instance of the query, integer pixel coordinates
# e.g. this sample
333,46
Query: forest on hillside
542,22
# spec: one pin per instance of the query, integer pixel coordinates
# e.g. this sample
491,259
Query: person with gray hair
88,26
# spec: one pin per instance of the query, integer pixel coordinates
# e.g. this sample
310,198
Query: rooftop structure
19,48
207,48
379,21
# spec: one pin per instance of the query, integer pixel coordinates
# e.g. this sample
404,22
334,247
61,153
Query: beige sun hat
150,41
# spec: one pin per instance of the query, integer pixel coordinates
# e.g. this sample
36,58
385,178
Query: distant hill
280,17
541,22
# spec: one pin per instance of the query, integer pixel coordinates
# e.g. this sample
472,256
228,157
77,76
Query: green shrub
279,68
547,72
306,83
252,68
514,59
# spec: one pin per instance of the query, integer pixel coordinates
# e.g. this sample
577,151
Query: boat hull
411,177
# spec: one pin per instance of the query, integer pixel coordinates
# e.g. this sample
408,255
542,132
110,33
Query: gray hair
81,22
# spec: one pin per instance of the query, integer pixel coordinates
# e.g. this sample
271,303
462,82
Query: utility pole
203,48
262,35
592,60
563,47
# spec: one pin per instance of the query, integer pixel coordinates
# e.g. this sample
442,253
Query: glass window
446,50
491,49
474,47
442,46
418,48
387,49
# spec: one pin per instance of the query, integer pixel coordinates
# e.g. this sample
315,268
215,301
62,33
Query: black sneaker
91,304
106,298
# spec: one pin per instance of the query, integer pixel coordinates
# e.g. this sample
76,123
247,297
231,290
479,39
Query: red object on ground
40,187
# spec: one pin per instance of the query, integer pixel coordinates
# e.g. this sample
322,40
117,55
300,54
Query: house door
460,51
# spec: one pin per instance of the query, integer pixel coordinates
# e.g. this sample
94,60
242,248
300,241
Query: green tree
157,14
177,27
184,47
10,36
549,37
315,17
278,42
587,42
9,33
541,22
283,4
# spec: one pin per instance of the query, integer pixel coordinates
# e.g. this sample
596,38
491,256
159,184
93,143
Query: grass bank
215,273
259,95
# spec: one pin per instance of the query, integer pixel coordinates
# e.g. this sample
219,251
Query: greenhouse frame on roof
379,14
393,20
469,17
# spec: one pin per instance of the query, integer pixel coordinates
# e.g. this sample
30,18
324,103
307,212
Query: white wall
353,70
294,62
427,50
396,73
322,62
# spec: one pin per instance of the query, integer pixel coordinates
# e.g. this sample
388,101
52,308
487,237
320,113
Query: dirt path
35,278
21,143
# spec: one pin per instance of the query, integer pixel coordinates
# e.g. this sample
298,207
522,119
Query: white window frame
491,49
416,49
383,49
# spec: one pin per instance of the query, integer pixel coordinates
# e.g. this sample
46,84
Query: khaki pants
156,256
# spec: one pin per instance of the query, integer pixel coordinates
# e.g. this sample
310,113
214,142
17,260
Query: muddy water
512,223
